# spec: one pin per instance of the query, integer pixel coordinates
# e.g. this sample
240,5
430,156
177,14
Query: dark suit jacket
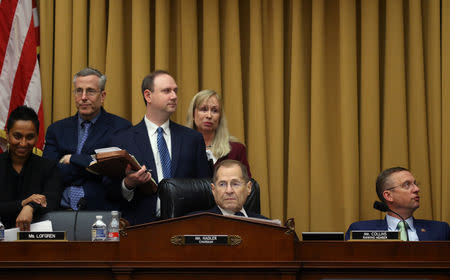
188,161
216,210
426,230
62,139
40,176
239,153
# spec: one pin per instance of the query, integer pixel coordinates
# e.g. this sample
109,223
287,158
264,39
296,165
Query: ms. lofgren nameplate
206,240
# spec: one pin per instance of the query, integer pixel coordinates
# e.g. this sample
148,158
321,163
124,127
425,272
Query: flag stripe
16,40
7,11
20,81
24,70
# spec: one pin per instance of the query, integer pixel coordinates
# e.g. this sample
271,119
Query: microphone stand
380,206
80,205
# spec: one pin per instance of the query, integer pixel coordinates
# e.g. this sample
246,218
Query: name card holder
41,236
229,240
374,235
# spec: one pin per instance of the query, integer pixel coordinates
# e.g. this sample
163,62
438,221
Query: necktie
163,153
85,132
77,192
240,214
403,230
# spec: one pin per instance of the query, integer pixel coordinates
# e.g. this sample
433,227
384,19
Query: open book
113,162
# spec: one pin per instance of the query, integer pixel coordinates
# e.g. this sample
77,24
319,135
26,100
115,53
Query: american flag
20,79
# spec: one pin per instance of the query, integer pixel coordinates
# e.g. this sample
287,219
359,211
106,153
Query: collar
231,213
152,127
93,120
393,222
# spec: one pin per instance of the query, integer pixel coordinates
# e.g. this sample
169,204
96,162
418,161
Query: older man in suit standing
163,147
397,188
72,141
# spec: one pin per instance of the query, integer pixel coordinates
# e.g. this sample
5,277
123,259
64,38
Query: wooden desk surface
266,252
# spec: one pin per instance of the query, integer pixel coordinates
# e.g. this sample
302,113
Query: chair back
181,196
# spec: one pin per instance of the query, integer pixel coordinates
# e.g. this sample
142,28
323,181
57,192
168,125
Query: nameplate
375,235
230,240
41,236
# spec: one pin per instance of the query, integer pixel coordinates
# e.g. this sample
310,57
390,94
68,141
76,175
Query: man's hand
65,159
135,178
25,217
36,198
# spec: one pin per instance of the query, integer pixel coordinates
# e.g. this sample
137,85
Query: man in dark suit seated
397,188
164,148
72,141
231,186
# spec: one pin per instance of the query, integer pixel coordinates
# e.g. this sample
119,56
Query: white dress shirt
153,136
393,222
231,213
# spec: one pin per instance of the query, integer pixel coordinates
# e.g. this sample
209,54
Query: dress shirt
153,135
231,213
393,222
81,129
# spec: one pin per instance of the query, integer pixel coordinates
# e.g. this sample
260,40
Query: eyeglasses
405,185
235,184
90,92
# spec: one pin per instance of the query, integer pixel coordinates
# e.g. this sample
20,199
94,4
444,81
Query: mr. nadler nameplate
374,235
41,236
206,240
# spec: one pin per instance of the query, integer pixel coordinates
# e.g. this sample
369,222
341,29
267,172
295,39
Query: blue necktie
77,192
163,153
85,133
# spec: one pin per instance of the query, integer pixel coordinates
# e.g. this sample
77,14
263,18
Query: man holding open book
164,148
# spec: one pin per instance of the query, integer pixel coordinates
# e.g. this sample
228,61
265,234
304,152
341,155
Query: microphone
82,203
380,206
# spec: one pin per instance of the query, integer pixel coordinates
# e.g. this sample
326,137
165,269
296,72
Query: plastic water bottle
113,228
2,231
99,230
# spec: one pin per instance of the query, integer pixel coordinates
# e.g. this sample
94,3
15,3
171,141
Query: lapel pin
423,230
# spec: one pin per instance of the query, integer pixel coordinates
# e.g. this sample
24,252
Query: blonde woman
205,114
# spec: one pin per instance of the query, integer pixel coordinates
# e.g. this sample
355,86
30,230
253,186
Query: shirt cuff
127,193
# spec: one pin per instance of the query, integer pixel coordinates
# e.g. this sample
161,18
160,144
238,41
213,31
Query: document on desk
45,226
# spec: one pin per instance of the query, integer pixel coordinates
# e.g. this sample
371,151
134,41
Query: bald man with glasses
397,188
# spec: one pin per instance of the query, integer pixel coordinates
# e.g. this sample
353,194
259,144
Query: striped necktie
163,153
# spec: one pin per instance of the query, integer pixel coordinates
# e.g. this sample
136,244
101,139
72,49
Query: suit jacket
238,152
188,161
216,210
426,230
40,176
62,139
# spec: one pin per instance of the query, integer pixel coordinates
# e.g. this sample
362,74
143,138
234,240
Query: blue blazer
188,161
62,139
216,210
426,230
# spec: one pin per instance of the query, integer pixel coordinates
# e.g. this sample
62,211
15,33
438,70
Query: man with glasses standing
72,141
397,188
